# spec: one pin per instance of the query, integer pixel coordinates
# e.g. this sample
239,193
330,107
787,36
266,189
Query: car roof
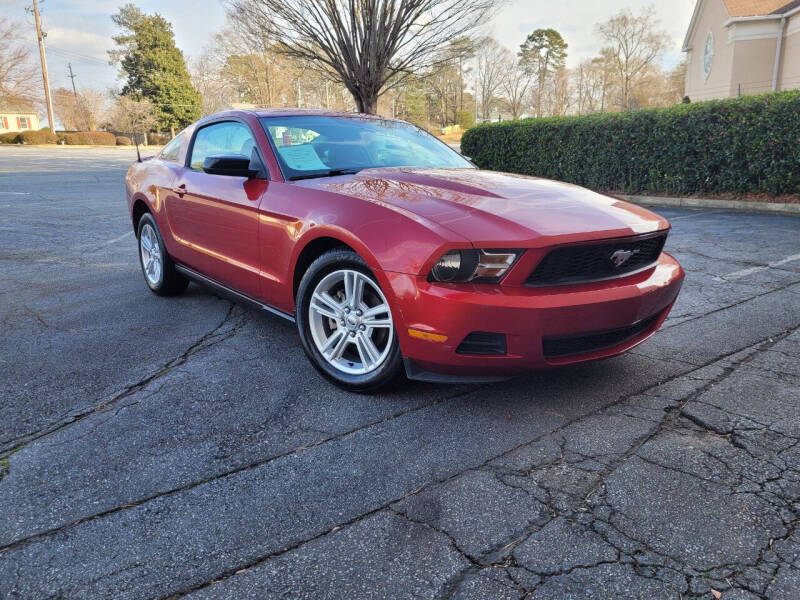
293,112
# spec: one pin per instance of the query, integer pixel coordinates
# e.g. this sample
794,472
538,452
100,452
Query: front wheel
346,325
157,267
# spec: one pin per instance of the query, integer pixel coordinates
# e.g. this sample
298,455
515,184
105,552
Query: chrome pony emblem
620,257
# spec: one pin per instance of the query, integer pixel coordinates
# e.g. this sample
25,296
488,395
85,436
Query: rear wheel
157,267
345,323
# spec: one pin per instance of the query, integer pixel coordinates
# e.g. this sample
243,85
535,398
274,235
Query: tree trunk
366,103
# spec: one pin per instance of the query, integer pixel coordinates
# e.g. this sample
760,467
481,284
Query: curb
740,205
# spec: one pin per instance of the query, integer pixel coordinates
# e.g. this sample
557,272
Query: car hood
497,209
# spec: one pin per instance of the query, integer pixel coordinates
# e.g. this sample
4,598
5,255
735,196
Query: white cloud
86,44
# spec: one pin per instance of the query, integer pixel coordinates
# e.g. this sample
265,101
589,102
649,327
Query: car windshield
318,146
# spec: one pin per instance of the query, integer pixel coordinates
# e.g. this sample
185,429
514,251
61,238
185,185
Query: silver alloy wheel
351,322
150,249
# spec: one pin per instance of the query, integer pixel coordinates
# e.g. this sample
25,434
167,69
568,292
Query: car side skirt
230,293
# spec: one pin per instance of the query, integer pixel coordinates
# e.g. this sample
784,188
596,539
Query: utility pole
78,106
45,79
72,77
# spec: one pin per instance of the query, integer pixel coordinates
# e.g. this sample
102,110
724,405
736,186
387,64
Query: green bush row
28,137
744,145
97,138
87,138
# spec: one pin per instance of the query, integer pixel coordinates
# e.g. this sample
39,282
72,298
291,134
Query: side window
229,138
172,151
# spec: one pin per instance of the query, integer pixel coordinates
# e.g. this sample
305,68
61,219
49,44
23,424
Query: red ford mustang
393,252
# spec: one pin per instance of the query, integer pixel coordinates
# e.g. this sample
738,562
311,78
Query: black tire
384,375
170,282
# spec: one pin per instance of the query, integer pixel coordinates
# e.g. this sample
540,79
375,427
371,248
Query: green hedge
89,138
28,136
37,137
744,145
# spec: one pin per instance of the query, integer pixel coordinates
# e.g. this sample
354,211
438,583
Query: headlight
460,266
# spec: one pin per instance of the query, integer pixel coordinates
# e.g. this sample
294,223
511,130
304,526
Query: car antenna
136,141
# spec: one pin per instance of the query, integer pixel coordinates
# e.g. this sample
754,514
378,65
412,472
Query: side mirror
231,165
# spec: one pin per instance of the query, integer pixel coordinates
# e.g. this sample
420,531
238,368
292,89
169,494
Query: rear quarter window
172,151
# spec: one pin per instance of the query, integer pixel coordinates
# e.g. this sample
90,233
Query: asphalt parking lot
184,447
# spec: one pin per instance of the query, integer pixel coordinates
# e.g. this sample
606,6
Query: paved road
162,448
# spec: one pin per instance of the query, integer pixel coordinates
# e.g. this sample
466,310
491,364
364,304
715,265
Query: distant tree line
419,60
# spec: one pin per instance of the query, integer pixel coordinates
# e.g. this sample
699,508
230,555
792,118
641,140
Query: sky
79,31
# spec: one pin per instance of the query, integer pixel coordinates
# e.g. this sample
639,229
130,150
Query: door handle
180,190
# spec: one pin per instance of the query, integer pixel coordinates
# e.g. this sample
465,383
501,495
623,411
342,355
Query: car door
214,218
168,164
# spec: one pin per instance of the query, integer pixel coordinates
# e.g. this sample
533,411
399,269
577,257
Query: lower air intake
556,347
483,343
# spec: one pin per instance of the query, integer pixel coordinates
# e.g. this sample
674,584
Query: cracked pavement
185,448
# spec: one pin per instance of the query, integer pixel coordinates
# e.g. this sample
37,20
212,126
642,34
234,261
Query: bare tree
66,109
18,81
133,116
634,44
605,66
559,95
517,82
492,60
446,79
247,63
84,111
461,50
95,107
592,82
215,91
441,88
368,45
676,82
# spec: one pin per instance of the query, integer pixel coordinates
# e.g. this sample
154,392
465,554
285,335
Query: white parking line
751,270
115,240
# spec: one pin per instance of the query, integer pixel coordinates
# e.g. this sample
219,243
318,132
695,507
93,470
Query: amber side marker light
427,335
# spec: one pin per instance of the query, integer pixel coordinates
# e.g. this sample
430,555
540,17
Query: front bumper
527,315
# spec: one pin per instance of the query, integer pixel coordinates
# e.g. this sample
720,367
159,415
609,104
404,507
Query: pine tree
154,67
542,55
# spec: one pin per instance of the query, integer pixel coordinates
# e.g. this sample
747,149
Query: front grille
594,262
483,343
556,347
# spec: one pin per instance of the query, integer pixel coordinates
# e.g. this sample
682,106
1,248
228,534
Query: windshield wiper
331,173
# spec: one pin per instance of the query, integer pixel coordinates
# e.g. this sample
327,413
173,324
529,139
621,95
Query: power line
69,53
